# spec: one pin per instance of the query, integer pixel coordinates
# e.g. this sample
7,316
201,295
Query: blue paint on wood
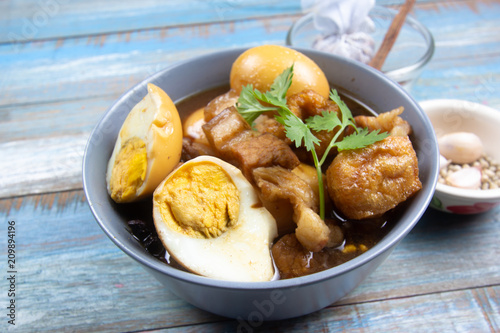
57,82
56,71
108,65
52,19
73,278
71,275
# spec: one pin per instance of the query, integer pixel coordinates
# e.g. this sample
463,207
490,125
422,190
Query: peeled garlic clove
468,178
461,147
443,162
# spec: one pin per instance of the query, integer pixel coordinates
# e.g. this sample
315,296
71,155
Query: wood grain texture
53,89
41,165
457,311
443,252
45,145
49,120
58,79
466,61
107,65
30,20
54,19
72,278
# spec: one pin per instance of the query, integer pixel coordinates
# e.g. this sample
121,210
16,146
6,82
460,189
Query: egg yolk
199,200
129,170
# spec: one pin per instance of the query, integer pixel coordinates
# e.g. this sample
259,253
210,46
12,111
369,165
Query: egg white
136,124
242,253
156,121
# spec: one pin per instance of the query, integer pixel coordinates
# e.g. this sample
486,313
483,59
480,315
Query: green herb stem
332,144
321,188
301,132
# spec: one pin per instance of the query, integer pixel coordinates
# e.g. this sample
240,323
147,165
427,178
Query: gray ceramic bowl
254,302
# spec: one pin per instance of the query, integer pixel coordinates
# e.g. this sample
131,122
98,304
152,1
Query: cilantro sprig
252,103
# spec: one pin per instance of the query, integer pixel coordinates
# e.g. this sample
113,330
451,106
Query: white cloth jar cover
345,27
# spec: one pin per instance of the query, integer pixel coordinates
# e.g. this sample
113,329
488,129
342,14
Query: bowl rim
152,263
436,106
451,191
382,11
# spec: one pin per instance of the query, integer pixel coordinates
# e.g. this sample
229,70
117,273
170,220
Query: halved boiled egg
210,220
147,149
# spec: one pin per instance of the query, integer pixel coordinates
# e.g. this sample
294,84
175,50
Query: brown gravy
359,235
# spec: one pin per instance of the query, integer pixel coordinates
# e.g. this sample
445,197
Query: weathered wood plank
41,165
443,252
53,19
444,277
107,65
49,120
458,311
76,71
72,278
43,145
466,63
30,20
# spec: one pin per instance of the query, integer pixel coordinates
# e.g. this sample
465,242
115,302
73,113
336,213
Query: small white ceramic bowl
447,116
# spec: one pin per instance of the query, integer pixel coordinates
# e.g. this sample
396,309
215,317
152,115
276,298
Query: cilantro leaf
361,139
334,96
347,118
249,103
249,106
269,98
252,103
327,121
298,132
281,84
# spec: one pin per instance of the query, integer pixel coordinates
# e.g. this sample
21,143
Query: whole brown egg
260,65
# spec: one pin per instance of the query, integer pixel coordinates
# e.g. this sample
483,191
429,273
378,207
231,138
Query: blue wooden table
63,63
